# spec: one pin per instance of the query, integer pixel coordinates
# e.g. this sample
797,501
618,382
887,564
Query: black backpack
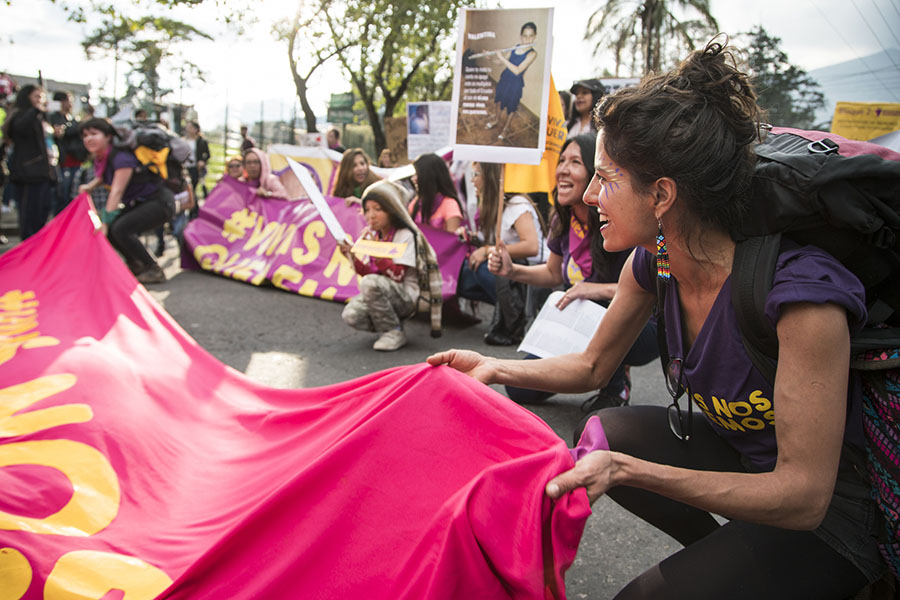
842,196
159,151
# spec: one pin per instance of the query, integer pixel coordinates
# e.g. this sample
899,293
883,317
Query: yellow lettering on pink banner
286,241
311,236
201,255
286,273
328,293
90,575
308,288
238,223
266,238
95,497
18,324
247,269
23,395
339,263
15,574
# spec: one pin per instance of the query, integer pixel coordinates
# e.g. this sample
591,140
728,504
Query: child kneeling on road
389,288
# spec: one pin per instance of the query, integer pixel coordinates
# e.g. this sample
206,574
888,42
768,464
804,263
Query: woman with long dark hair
578,261
354,175
32,165
780,460
437,201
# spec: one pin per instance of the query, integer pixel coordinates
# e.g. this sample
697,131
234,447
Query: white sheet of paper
556,332
318,200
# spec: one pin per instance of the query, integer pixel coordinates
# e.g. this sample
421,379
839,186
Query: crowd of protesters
634,213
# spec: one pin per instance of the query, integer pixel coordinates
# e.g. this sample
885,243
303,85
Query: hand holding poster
501,84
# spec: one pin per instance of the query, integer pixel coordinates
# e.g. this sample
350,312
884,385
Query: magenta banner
245,237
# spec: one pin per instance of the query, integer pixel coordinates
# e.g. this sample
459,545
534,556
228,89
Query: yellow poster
524,179
865,120
378,249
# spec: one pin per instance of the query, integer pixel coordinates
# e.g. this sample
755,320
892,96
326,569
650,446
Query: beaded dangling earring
662,256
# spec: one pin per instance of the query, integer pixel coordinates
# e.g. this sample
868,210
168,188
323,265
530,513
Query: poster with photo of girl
501,84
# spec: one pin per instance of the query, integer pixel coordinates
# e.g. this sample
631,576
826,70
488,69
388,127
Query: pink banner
132,460
243,236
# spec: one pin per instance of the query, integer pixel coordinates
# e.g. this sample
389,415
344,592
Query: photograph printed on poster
500,84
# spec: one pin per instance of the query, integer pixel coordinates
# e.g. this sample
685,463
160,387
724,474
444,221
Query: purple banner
245,237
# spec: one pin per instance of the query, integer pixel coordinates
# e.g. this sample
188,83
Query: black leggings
735,560
142,216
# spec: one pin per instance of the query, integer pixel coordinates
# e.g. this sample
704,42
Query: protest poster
500,85
865,120
428,127
136,465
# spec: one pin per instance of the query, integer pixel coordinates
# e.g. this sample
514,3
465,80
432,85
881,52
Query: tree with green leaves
393,51
649,35
785,91
144,42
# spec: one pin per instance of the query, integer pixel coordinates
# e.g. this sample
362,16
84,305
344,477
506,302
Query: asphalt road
289,341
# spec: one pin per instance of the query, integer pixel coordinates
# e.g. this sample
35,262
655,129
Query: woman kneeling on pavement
138,200
389,288
673,166
578,261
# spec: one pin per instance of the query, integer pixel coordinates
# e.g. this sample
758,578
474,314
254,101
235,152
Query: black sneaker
603,399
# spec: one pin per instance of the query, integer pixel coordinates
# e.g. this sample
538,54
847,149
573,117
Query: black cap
594,85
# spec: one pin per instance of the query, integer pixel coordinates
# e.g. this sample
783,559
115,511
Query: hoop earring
663,273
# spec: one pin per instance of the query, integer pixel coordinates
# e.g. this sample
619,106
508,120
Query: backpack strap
752,271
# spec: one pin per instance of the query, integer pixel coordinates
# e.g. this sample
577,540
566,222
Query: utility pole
262,124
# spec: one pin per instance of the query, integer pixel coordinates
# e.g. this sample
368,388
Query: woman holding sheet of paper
578,261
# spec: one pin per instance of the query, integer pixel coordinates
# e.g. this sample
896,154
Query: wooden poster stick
501,195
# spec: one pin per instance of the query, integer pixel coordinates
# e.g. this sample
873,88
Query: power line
894,6
875,35
846,43
886,22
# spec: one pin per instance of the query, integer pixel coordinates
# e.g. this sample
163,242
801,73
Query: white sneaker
390,341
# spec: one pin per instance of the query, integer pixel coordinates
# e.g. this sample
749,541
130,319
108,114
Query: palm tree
650,30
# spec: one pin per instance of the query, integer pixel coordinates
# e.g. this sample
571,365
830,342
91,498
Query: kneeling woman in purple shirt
138,200
674,158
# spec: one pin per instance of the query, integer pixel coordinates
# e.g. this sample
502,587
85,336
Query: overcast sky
243,71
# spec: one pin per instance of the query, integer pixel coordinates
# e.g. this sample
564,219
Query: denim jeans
66,188
479,285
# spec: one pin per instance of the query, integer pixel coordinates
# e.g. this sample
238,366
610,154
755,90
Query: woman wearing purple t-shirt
672,171
138,201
